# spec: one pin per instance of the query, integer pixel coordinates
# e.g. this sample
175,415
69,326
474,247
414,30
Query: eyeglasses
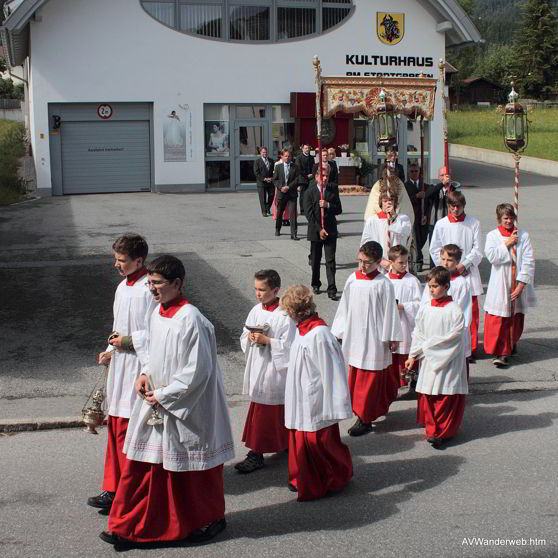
365,263
156,283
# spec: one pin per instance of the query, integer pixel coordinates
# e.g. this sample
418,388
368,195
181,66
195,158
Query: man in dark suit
285,178
304,163
323,238
263,169
333,169
420,207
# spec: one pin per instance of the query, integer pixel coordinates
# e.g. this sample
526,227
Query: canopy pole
318,84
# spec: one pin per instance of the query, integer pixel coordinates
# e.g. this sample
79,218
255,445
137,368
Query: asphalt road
58,281
406,499
496,482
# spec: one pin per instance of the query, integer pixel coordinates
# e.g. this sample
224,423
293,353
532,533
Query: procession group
163,478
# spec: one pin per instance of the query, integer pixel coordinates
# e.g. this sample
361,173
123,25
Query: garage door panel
105,156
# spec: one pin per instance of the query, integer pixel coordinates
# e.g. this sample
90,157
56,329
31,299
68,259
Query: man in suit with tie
304,163
263,169
323,239
285,178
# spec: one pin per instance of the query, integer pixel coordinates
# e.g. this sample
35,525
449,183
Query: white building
176,95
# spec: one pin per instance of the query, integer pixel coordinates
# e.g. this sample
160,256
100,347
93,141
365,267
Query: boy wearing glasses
133,304
367,321
179,433
464,231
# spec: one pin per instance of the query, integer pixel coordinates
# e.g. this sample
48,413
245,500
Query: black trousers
421,234
303,188
282,203
266,193
329,247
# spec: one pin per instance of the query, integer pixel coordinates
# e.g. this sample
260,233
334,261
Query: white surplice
266,365
439,343
497,300
317,390
182,366
377,229
133,305
460,292
466,235
366,320
408,292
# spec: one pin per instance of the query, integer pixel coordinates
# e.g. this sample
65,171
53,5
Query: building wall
113,51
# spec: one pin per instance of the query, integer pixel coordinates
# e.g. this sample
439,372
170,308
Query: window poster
216,137
177,134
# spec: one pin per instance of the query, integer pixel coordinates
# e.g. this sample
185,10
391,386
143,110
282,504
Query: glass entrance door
249,137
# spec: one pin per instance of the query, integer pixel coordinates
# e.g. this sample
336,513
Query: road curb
9,426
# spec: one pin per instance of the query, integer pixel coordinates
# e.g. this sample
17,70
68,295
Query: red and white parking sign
104,111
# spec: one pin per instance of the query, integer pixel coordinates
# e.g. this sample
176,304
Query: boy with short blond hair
267,359
408,293
464,231
502,327
132,307
438,343
367,321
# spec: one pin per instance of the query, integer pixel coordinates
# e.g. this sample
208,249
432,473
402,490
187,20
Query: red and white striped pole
517,157
318,83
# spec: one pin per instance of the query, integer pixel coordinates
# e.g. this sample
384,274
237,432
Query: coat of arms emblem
390,27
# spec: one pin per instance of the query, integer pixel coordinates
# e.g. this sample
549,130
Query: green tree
468,6
536,48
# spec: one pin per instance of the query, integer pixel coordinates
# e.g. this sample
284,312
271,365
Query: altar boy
367,321
172,484
267,359
438,342
408,292
133,304
502,329
464,231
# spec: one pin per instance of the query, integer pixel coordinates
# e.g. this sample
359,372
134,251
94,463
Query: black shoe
360,428
316,290
103,500
111,538
294,237
292,487
277,233
253,462
332,295
472,359
436,442
207,533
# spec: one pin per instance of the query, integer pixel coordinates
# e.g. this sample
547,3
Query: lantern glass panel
382,125
390,125
519,129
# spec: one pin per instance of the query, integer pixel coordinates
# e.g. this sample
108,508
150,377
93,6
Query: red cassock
372,392
318,462
158,503
115,459
497,339
475,323
441,414
264,431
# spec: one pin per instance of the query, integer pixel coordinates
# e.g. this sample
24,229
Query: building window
206,20
251,21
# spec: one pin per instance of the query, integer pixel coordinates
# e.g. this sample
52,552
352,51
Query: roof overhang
15,31
453,21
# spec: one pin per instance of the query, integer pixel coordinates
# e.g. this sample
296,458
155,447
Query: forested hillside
497,20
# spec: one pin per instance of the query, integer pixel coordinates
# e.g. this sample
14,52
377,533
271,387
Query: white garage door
105,156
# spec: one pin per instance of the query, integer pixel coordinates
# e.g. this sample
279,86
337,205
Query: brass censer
94,416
